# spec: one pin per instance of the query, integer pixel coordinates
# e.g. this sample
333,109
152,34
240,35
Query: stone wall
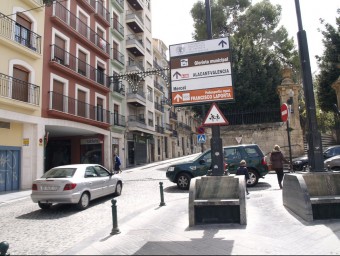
265,135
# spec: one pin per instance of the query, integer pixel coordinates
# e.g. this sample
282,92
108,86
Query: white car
75,184
333,163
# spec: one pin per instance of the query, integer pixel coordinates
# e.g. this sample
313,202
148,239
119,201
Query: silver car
333,163
75,184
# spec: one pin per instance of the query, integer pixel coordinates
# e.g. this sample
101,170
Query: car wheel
84,201
44,206
118,190
253,178
183,181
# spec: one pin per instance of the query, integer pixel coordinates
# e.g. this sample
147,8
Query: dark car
301,163
182,173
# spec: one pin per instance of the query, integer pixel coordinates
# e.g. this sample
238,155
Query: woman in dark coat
277,159
243,170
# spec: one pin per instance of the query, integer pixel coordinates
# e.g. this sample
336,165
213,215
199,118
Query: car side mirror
202,161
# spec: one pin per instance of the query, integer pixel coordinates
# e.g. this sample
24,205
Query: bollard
115,229
162,194
3,248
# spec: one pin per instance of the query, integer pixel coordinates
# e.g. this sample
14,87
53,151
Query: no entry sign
284,112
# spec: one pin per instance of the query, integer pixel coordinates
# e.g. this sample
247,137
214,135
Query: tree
259,47
329,65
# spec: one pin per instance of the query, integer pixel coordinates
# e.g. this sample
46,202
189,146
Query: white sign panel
199,47
220,69
202,83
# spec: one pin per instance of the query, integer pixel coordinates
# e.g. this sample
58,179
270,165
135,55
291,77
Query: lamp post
290,103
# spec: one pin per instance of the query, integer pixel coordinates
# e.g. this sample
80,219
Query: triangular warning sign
215,117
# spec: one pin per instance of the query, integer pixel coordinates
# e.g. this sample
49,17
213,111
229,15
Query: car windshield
200,155
60,173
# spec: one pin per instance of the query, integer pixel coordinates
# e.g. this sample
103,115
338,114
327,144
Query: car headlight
171,169
297,162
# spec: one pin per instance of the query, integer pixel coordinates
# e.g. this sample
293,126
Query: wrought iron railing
16,89
117,26
173,115
159,129
66,59
10,29
68,105
118,120
159,107
80,27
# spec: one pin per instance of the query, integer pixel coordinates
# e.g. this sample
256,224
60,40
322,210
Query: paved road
148,229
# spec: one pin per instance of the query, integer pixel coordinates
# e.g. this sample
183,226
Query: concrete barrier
217,199
312,196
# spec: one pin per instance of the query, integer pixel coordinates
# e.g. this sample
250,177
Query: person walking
243,170
277,159
117,163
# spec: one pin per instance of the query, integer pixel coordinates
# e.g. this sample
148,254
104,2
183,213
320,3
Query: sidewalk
271,230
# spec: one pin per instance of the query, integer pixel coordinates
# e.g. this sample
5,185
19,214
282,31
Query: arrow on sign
177,74
222,43
178,97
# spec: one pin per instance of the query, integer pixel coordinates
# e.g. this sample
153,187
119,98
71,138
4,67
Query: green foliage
329,65
259,48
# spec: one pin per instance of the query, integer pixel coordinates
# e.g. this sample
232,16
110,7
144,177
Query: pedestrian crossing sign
201,138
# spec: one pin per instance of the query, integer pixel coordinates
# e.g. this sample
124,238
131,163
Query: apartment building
81,80
76,83
21,130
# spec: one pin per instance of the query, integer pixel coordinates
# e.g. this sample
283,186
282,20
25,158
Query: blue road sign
201,138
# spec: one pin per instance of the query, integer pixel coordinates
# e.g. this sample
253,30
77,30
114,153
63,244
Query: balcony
166,101
158,86
135,21
118,57
36,4
118,120
138,5
174,134
137,122
75,108
64,58
99,10
135,45
64,17
119,4
173,116
159,129
118,86
134,66
117,28
11,30
19,90
137,99
159,107
168,129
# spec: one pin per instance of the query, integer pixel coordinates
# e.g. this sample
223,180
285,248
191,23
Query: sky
172,22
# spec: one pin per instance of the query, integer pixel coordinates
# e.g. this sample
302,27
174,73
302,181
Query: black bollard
3,248
162,194
115,229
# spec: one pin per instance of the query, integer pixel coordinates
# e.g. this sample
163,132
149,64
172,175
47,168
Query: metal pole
115,229
162,194
289,146
315,152
215,141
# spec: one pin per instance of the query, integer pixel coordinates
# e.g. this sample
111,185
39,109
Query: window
116,114
148,45
81,103
23,30
20,83
82,25
149,94
115,50
82,63
100,74
148,23
100,109
59,49
58,96
232,154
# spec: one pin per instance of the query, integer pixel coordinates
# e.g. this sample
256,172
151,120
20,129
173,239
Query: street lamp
290,103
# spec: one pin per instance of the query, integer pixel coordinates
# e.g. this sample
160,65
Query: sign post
285,114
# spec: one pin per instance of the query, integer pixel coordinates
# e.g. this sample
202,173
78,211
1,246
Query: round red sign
284,112
200,130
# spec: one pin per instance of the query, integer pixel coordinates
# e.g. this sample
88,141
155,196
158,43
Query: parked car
332,163
182,173
301,163
75,184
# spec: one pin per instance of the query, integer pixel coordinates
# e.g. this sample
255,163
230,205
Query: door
94,182
203,164
9,168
